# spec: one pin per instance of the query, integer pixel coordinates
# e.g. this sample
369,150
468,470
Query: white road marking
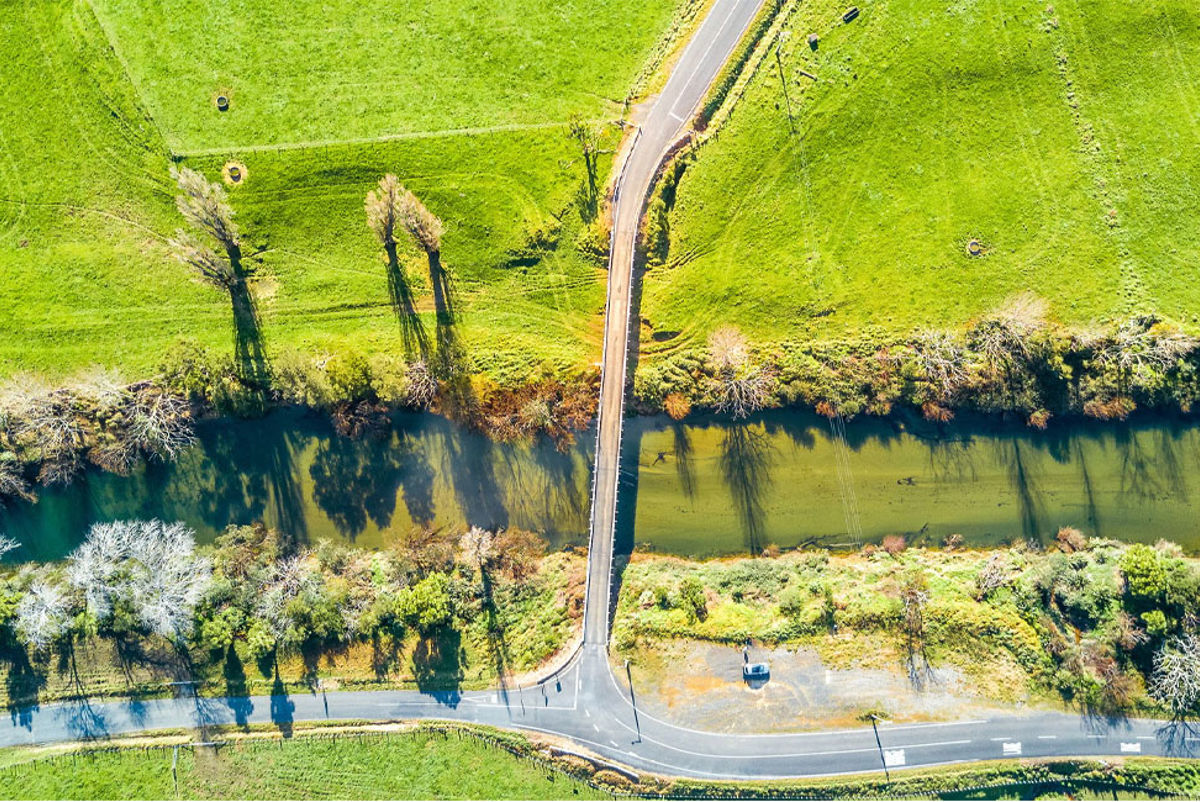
676,117
1005,738
1131,747
700,62
893,758
1013,748
1047,737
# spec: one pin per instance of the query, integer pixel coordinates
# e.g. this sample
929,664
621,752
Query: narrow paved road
667,120
585,701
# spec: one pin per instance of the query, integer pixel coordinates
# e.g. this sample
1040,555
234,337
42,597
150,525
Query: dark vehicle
753,671
850,14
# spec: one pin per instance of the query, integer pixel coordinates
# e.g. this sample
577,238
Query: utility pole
633,702
874,726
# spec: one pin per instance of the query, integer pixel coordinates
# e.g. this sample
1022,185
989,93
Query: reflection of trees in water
241,469
1139,481
1024,484
469,461
952,461
416,478
1089,491
745,466
346,479
559,486
684,470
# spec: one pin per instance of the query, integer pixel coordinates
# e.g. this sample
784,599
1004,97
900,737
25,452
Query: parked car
752,671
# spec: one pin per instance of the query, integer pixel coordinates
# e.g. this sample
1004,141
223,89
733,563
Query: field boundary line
324,143
142,98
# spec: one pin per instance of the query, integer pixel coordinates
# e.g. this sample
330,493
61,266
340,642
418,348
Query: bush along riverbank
1106,627
49,435
139,605
1012,361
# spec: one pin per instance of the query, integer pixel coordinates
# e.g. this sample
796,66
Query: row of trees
1014,360
253,589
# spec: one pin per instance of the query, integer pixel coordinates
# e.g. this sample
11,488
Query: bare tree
1176,678
291,578
1142,343
47,423
159,424
728,349
42,615
739,387
1004,337
383,209
203,261
12,481
421,224
942,359
8,544
478,547
204,205
422,385
151,565
994,574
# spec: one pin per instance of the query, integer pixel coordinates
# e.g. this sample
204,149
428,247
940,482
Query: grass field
1059,136
98,96
418,765
429,765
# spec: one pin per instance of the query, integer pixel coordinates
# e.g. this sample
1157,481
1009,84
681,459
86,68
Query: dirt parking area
700,685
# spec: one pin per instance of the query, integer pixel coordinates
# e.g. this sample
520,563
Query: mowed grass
344,69
1062,137
87,132
415,765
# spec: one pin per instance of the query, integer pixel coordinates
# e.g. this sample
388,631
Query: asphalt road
585,701
666,122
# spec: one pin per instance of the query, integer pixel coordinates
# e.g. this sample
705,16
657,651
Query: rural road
665,123
585,701
587,704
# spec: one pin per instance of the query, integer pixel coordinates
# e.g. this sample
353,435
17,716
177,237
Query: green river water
703,487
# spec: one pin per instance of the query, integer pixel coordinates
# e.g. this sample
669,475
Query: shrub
349,376
1156,622
894,544
677,405
426,605
691,598
1145,572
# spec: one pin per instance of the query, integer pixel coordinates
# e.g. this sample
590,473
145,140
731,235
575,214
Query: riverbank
258,613
909,634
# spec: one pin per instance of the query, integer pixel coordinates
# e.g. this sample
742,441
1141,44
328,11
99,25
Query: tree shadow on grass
416,341
250,354
23,683
497,645
450,359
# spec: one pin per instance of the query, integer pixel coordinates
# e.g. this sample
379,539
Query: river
700,488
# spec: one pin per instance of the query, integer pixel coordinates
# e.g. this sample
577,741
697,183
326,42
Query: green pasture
416,765
1062,137
468,104
315,70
